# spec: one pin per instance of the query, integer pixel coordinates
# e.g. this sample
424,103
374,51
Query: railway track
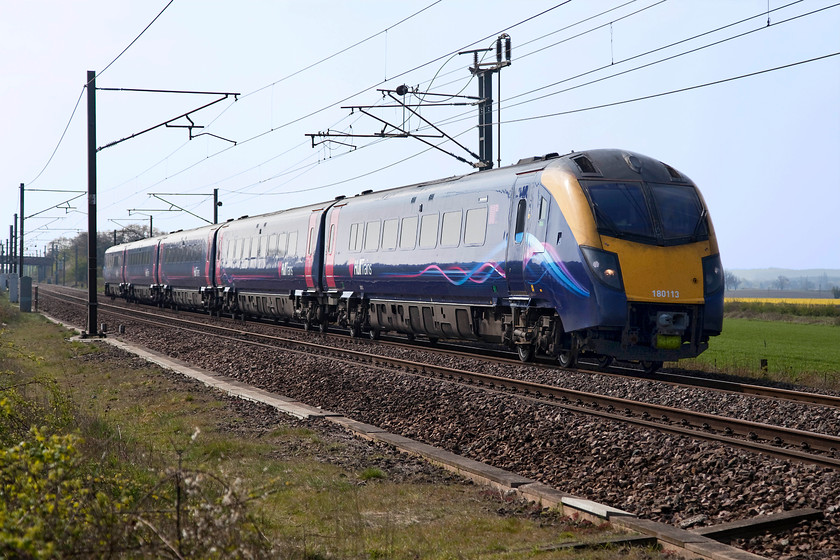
497,356
778,441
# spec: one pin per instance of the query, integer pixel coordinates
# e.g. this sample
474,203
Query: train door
517,248
542,204
329,259
311,244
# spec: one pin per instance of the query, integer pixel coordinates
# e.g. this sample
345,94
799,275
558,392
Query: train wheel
322,327
651,367
525,352
355,331
566,359
374,334
307,326
604,361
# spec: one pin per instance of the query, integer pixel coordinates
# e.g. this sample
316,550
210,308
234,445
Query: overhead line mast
484,72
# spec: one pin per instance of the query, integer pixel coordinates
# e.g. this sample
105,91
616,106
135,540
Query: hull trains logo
287,269
361,268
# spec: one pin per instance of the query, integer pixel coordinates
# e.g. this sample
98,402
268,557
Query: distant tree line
782,282
69,255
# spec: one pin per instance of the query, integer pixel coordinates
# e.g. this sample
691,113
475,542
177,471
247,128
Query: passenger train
604,253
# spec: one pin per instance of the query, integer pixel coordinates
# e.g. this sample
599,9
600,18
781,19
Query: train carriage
270,265
185,267
423,259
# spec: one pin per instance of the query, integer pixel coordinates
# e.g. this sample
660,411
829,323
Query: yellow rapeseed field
792,300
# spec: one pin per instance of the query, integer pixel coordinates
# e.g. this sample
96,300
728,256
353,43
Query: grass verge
103,455
798,344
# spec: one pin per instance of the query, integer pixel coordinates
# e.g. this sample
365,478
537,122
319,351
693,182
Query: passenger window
476,226
293,250
389,234
408,233
354,235
520,220
428,231
450,232
372,236
281,245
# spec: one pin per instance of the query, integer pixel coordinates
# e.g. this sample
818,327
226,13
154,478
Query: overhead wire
670,45
632,100
674,91
295,73
76,106
366,89
61,139
135,39
463,116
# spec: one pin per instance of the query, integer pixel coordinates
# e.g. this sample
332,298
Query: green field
807,353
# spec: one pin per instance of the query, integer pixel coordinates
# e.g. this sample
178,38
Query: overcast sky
763,148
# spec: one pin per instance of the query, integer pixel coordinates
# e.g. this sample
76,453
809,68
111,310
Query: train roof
588,164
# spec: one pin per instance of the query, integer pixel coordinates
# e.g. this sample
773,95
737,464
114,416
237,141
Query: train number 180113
674,294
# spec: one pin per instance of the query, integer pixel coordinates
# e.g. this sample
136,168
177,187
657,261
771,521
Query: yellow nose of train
660,274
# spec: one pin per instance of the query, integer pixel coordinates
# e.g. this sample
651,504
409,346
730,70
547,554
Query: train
603,254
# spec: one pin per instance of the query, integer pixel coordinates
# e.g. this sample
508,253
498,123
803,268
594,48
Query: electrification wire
464,116
561,113
242,97
331,105
136,38
517,47
295,169
342,51
668,46
366,174
337,53
52,155
674,91
556,31
76,106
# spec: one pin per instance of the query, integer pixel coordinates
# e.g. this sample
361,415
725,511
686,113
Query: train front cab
651,253
112,271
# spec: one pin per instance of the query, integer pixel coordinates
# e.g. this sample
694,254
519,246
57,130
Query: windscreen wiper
700,221
604,219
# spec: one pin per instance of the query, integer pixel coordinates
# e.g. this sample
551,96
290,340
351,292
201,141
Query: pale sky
764,149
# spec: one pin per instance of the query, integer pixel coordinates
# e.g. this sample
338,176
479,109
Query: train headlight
604,265
712,274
